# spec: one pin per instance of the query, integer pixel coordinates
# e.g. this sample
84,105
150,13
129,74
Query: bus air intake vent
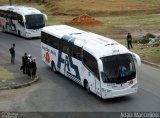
111,44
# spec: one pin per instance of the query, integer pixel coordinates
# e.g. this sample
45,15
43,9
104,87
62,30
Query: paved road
56,93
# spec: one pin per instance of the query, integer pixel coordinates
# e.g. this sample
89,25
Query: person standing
129,41
12,52
24,63
29,65
34,67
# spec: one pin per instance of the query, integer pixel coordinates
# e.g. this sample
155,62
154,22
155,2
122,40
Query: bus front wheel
86,86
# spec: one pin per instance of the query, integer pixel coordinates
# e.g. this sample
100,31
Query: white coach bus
23,21
101,65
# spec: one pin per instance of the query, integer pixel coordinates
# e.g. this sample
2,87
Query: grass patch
119,17
151,54
117,28
92,7
5,74
105,7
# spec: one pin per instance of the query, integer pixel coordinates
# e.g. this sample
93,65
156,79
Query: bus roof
23,10
97,45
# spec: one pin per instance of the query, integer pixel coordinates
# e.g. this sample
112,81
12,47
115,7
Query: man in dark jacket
129,41
29,65
12,52
33,68
24,63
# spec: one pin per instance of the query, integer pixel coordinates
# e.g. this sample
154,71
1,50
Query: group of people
29,65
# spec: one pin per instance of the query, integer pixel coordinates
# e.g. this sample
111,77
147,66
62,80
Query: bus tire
19,34
53,67
3,29
86,86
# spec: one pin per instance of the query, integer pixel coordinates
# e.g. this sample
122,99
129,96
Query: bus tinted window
50,40
118,68
12,15
44,37
91,63
55,42
35,21
20,19
2,13
75,51
64,46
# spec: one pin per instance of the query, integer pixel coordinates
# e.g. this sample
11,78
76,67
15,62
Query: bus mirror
136,59
45,17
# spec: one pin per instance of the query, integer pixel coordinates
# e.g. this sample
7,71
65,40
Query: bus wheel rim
87,87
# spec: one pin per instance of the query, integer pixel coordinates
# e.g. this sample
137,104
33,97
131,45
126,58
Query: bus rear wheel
3,29
19,34
53,67
86,86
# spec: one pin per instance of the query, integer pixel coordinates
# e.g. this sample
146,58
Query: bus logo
47,57
68,65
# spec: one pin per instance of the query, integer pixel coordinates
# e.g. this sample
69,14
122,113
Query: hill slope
93,7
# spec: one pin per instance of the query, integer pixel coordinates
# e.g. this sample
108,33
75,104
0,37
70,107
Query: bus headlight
28,32
106,90
134,86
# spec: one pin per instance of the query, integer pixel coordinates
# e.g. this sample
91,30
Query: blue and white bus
101,65
23,21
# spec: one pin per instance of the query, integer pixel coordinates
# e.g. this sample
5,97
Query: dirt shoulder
10,74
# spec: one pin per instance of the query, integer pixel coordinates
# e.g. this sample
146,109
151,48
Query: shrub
158,38
149,35
145,39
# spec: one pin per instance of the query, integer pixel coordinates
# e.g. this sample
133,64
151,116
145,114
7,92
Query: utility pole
10,2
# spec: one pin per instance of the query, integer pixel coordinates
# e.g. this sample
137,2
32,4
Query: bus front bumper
32,35
106,94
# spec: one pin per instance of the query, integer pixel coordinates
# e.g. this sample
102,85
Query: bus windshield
35,21
118,68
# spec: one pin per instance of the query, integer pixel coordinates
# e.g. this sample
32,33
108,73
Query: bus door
97,77
97,86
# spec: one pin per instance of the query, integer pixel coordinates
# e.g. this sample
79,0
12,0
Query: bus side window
13,16
50,41
55,42
91,63
20,20
44,37
1,15
75,52
64,46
